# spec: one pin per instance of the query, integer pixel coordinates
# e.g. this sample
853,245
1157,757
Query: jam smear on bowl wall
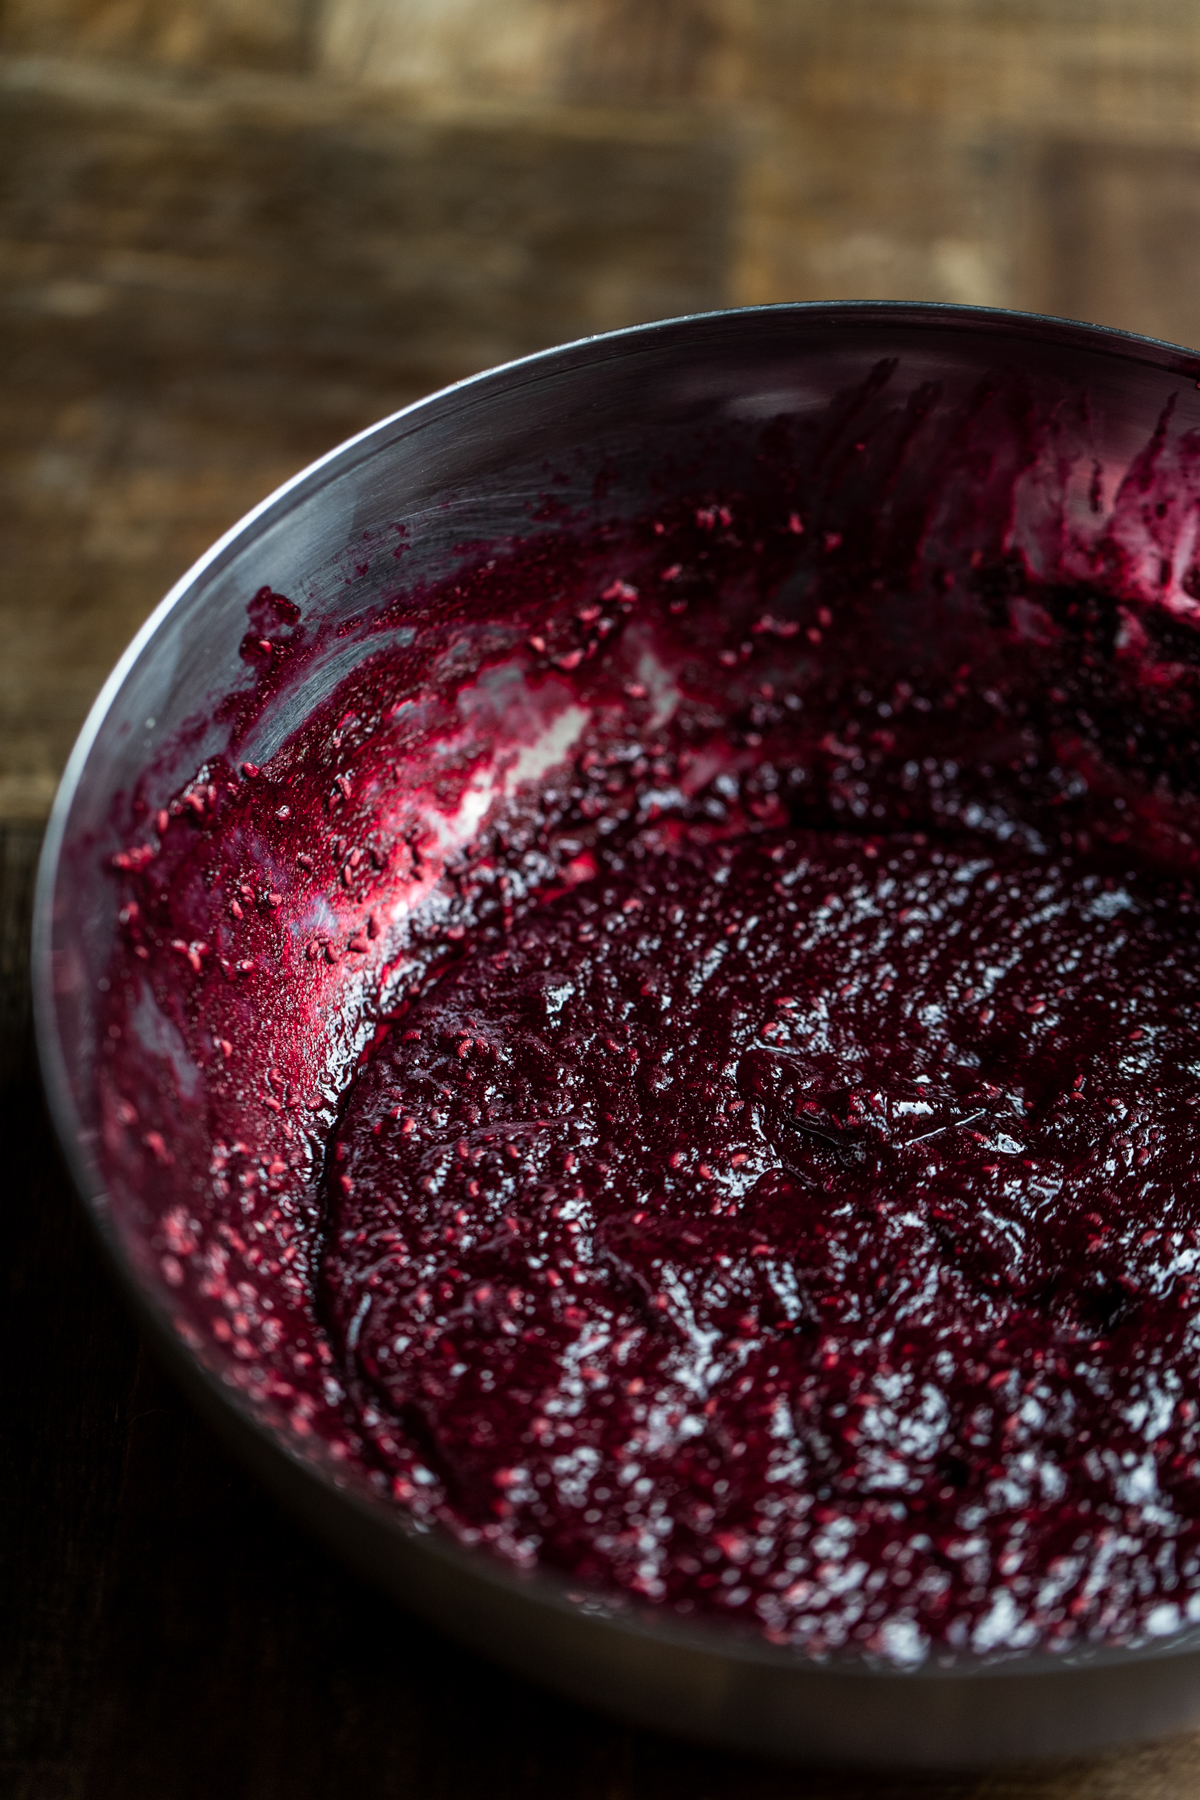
682,1069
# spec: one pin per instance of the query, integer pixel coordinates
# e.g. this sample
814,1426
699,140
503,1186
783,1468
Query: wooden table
205,280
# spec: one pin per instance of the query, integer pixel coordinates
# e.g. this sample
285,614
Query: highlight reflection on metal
464,465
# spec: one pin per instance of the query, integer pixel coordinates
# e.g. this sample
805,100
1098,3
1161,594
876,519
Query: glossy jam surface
739,1208
679,1065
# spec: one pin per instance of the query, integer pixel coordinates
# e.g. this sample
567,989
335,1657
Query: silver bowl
462,466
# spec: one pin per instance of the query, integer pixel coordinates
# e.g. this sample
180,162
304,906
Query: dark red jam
746,1207
683,1069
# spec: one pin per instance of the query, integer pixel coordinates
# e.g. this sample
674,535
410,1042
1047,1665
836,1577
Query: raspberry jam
745,1208
682,1068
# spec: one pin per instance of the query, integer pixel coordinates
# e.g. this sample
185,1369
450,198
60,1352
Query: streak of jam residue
682,1066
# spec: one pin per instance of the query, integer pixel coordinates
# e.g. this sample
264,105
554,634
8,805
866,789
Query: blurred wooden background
233,231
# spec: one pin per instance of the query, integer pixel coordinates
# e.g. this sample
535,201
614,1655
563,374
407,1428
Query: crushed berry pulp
705,1102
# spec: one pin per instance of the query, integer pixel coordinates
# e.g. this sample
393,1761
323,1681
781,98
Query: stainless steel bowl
464,465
